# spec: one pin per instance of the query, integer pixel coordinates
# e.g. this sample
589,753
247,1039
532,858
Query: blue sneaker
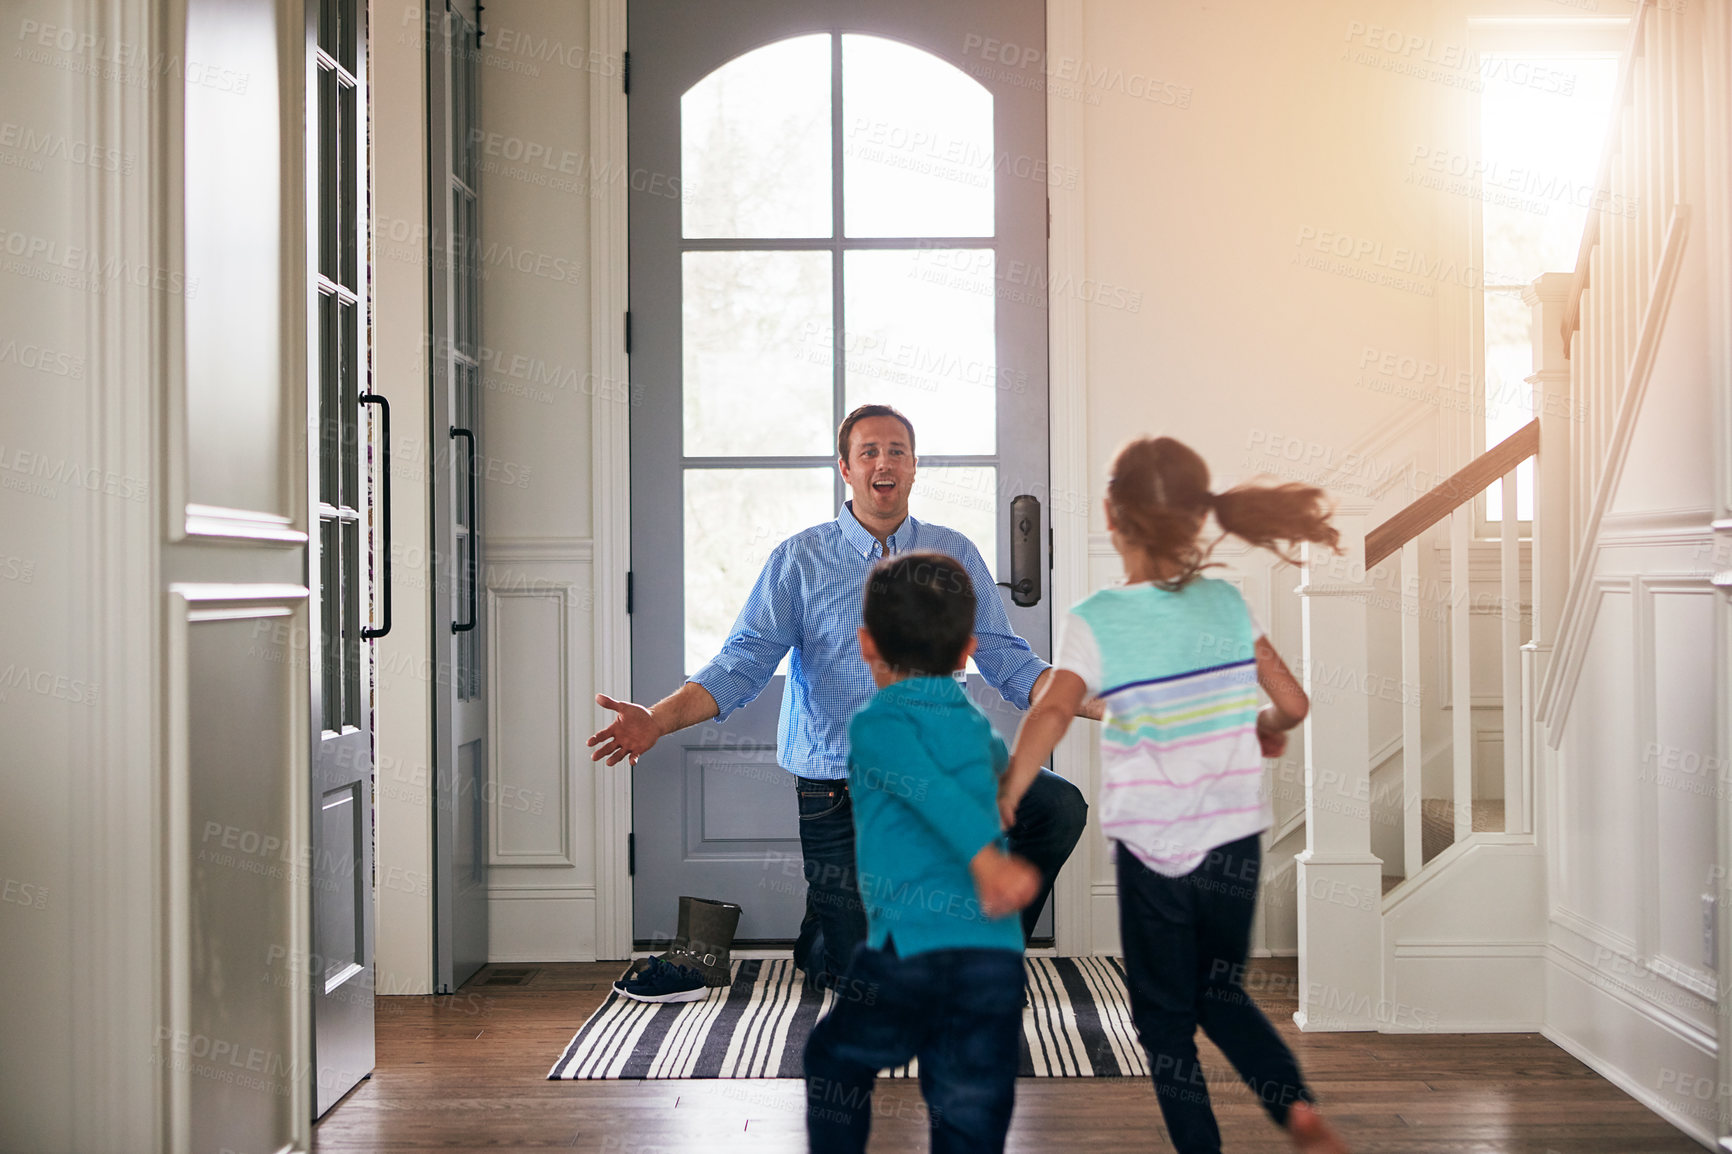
664,981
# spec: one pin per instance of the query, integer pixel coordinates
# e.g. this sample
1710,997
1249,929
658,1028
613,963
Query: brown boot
705,938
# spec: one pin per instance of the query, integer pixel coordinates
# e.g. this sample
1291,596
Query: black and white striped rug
1077,1025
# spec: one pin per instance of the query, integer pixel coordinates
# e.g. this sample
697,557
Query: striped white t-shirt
1181,770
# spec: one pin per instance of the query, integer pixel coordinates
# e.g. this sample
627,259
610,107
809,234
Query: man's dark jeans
958,1011
1185,941
1049,821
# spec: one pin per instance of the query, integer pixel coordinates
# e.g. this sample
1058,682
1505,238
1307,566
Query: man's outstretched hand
632,733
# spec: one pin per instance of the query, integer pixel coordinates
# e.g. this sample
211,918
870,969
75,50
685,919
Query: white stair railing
1399,536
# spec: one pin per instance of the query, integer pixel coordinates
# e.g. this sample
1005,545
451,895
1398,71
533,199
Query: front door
341,860
832,204
460,794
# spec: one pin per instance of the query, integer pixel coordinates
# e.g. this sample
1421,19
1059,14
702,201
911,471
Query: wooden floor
468,1072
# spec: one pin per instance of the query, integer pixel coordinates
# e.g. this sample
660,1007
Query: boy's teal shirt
923,769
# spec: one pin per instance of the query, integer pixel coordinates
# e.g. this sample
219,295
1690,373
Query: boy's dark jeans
1185,941
958,1011
1049,821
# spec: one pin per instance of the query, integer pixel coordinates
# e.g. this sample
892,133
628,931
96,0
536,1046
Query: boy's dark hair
846,429
919,610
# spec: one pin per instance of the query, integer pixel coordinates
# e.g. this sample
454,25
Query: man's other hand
632,733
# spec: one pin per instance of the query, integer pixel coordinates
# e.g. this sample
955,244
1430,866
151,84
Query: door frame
1080,900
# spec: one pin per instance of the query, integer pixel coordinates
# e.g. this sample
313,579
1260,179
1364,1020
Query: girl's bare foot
1311,1133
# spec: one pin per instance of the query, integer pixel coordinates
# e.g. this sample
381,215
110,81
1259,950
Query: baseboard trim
1692,1127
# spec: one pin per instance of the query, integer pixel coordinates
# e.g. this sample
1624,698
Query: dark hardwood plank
468,1073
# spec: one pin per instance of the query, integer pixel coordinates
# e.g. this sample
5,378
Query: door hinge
628,592
625,72
628,332
1049,219
631,854
1050,551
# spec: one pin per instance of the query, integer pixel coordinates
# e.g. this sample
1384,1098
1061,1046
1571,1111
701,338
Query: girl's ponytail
1159,494
1267,515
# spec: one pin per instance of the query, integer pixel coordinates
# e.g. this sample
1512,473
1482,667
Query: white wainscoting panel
1600,843
529,724
540,923
1678,768
542,898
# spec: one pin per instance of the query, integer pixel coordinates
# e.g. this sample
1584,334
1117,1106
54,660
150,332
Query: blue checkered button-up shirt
807,599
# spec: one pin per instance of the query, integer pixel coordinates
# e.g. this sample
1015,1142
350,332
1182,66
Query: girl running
1177,657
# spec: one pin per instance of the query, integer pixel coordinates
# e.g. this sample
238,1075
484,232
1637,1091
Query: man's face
880,467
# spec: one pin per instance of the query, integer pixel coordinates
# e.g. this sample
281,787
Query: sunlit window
832,256
1543,120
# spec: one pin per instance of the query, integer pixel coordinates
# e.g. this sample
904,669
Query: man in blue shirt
807,600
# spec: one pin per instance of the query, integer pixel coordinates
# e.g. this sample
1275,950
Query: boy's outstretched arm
1288,703
1044,727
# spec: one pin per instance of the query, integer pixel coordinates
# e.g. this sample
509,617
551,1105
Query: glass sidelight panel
920,336
758,353
917,156
755,144
330,618
733,518
350,646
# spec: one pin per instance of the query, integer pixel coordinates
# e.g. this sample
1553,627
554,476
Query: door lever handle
1025,538
369,633
469,437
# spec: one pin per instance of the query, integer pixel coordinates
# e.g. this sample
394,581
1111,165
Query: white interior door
340,864
461,797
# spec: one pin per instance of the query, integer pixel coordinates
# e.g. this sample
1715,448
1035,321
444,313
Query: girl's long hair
1159,492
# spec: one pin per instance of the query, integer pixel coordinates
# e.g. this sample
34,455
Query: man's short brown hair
860,414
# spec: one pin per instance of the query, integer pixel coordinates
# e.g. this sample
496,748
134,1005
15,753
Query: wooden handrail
1603,185
1467,483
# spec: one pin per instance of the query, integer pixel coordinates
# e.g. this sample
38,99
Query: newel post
1340,883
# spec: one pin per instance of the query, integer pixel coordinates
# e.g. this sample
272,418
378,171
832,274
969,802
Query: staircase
1452,925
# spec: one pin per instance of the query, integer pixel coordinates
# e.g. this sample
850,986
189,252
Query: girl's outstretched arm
1044,727
1288,703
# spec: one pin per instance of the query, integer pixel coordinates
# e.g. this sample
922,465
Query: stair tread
1437,822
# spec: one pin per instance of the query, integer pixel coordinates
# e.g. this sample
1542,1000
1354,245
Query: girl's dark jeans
1185,941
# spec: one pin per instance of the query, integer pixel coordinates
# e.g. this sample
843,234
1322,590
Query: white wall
537,189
